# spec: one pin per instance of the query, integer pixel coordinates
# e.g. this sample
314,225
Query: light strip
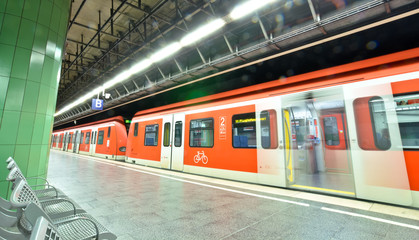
202,32
247,8
171,49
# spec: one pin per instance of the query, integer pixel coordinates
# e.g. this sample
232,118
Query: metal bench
78,226
47,190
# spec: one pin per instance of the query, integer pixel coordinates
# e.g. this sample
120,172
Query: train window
136,129
109,132
379,122
331,132
87,138
151,135
166,135
178,134
268,128
371,123
82,138
244,130
201,133
407,111
100,137
71,138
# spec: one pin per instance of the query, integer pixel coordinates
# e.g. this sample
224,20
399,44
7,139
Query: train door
76,142
313,126
178,141
166,149
378,161
70,143
65,142
271,167
93,141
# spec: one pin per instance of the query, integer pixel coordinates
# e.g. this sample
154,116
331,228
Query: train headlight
122,149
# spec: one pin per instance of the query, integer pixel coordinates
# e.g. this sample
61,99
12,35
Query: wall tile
4,83
44,16
51,101
26,34
34,157
42,99
1,20
25,131
35,66
21,156
3,6
42,169
30,99
15,92
63,25
21,63
30,10
9,127
41,37
6,59
4,186
47,127
47,74
55,19
5,152
15,7
51,44
10,29
38,129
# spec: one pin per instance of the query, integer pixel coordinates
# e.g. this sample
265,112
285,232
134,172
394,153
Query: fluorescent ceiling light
165,52
248,7
138,67
202,32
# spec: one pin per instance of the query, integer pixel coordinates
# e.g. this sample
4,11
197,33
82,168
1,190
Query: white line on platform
265,197
371,218
221,188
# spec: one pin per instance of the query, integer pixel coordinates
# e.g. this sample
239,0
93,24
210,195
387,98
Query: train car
106,138
351,130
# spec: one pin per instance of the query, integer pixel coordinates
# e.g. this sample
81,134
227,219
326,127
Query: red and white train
350,130
106,138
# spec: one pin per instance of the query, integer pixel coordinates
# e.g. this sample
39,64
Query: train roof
119,119
316,76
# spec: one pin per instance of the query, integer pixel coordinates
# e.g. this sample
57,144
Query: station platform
137,202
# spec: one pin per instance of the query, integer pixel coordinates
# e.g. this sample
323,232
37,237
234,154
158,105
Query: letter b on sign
97,104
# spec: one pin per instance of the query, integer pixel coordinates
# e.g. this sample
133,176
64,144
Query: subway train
350,130
106,138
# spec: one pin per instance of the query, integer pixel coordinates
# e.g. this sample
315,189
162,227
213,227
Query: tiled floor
136,202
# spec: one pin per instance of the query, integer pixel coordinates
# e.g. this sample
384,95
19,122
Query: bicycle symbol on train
200,156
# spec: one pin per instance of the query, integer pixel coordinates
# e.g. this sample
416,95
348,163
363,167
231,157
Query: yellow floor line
323,189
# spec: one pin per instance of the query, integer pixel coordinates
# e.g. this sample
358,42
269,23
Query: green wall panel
6,59
20,63
4,83
30,10
9,127
30,100
21,155
10,29
32,35
24,135
35,66
45,11
15,92
3,5
41,37
15,7
26,34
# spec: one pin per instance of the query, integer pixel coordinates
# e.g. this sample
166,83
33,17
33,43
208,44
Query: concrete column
32,36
